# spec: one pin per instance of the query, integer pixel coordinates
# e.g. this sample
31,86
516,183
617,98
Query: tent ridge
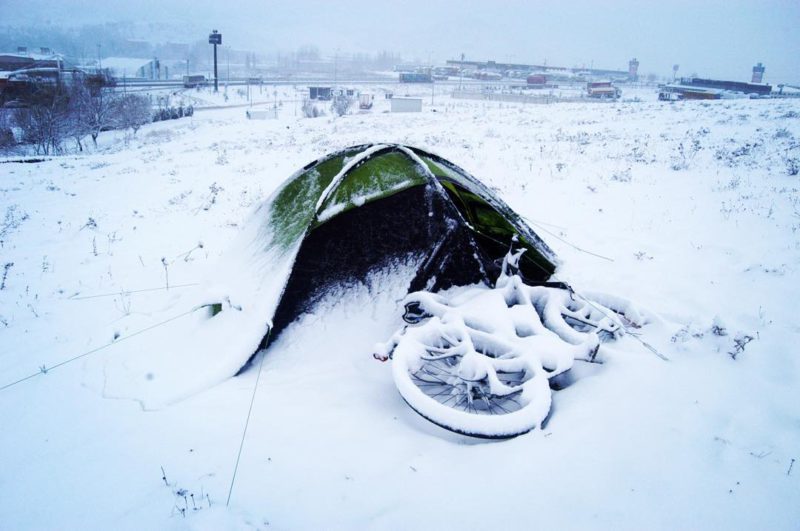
346,168
418,161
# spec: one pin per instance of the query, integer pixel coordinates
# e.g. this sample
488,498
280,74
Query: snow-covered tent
338,219
369,206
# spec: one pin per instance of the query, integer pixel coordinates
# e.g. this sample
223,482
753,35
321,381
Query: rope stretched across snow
44,370
247,421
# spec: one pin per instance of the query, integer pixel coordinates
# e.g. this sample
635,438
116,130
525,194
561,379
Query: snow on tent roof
336,220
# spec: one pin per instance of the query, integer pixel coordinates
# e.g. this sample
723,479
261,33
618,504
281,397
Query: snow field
694,203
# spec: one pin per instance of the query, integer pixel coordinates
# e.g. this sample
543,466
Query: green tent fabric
348,179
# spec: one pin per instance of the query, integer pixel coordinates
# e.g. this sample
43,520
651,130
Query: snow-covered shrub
12,220
133,111
310,109
622,176
741,155
685,153
7,125
792,165
739,343
172,113
340,104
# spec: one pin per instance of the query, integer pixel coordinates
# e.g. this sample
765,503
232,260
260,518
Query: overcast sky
709,37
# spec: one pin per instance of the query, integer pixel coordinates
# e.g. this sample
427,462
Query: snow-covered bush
341,104
172,113
685,153
792,165
310,109
133,111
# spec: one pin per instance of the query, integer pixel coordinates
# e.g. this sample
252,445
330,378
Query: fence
523,98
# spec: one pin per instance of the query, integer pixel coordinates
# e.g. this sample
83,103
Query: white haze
722,39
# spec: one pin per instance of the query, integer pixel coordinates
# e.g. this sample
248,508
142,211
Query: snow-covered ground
689,210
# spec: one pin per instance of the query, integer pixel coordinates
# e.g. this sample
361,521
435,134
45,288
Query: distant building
758,73
675,92
25,74
730,86
320,93
406,104
129,67
633,69
21,59
493,66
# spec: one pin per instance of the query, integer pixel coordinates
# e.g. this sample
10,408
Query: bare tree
7,140
133,112
97,108
78,125
45,124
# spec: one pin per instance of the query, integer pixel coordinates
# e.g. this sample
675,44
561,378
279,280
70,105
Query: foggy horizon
713,39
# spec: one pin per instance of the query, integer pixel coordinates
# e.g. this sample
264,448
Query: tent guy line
128,292
247,421
556,236
45,370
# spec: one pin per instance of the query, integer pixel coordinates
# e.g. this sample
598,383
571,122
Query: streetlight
215,38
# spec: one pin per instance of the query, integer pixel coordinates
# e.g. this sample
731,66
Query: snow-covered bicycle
479,361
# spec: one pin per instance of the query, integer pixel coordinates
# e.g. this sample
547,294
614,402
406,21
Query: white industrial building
134,68
406,104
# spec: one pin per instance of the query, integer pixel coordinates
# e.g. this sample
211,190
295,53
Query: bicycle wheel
481,394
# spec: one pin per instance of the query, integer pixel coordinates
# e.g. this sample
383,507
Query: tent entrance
406,227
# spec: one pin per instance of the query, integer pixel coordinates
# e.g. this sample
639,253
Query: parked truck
365,100
602,90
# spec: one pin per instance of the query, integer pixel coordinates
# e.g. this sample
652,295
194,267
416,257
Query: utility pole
461,74
215,38
335,66
430,73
